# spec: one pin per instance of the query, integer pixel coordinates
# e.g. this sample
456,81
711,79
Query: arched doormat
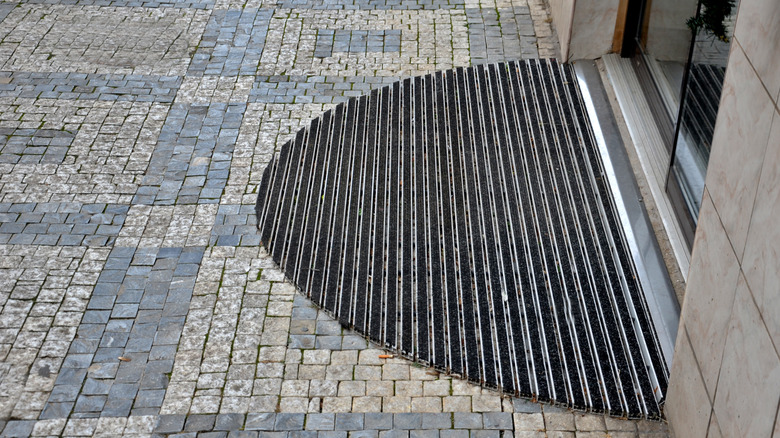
462,219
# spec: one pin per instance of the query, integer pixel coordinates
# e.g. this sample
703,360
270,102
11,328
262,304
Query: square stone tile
745,118
746,400
710,292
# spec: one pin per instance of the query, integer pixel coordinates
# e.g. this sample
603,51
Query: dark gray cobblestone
191,162
498,34
61,223
100,39
232,43
82,86
313,89
235,225
189,4
372,4
356,41
351,424
126,342
33,146
103,163
5,9
43,293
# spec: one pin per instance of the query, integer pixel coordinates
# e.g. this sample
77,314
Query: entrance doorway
679,49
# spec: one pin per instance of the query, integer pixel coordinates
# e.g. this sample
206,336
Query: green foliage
711,17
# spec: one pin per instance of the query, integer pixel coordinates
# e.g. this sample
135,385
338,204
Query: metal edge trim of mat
645,251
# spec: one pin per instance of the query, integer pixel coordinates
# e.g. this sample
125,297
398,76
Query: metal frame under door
659,292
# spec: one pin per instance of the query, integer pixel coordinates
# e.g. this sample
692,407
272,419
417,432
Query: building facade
710,78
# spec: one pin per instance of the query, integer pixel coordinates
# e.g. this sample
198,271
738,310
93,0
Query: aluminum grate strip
463,220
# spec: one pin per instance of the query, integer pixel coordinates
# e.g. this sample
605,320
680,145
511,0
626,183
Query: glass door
680,51
699,110
663,45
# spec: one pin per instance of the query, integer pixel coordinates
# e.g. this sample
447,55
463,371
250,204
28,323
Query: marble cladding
562,13
725,377
592,29
585,28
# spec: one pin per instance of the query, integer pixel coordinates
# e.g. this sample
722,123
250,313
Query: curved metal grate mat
463,220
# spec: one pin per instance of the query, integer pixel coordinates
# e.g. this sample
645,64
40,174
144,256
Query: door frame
668,125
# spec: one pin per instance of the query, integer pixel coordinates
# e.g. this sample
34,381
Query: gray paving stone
87,330
113,340
332,434
302,341
349,421
149,398
466,420
328,342
407,421
486,434
212,435
16,428
106,355
96,387
101,302
124,311
286,421
90,403
197,423
56,410
424,433
451,433
364,434
261,421
324,421
302,434
136,345
497,420
117,407
170,423
378,420
229,422
79,360
84,346
395,433
354,342
242,434
65,393
103,371
327,327
526,406
436,421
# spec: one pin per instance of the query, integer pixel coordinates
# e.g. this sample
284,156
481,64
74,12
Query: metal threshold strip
464,220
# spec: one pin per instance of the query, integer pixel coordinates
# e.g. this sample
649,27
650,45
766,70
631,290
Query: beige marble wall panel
777,424
562,12
747,398
738,232
758,32
714,430
593,27
688,407
710,293
740,139
762,251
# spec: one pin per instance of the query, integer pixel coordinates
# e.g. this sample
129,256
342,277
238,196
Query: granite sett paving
135,299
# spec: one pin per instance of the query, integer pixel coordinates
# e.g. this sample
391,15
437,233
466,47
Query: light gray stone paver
133,138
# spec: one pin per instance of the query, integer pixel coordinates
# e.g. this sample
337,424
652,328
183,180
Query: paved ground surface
133,135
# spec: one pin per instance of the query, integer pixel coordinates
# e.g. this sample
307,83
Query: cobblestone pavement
134,297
